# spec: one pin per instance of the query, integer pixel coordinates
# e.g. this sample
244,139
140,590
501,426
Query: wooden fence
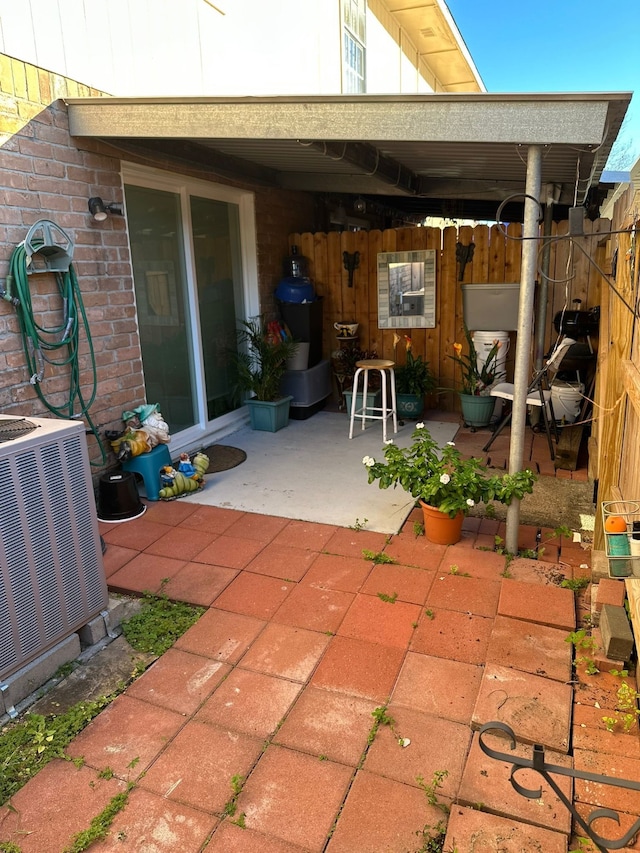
615,443
496,259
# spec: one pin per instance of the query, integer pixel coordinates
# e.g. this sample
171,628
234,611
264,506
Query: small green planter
409,405
269,416
477,411
373,399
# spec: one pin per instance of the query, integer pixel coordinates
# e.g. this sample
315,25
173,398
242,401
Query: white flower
451,444
470,502
420,425
389,441
444,479
368,461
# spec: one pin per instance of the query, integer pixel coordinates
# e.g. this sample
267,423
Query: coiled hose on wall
58,346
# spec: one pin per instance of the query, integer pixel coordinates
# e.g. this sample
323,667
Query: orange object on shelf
615,524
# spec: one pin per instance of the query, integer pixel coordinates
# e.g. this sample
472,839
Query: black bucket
118,498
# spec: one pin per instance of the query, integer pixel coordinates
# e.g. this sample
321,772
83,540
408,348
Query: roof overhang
416,149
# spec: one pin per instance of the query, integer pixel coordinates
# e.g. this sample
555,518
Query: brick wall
44,174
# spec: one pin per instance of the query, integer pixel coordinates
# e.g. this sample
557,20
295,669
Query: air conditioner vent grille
51,573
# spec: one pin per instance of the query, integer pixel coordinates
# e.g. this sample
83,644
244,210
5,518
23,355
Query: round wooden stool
374,413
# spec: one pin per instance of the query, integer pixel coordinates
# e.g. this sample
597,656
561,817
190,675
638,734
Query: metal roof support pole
523,344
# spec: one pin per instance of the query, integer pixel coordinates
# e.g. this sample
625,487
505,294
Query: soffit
438,146
438,41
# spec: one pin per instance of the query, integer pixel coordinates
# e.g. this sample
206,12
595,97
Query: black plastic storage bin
304,320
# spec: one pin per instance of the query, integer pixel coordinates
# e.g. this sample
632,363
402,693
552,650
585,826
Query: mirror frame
426,319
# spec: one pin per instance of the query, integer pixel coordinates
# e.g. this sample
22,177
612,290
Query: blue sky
557,46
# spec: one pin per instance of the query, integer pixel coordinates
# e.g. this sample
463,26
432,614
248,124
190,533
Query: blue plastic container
295,289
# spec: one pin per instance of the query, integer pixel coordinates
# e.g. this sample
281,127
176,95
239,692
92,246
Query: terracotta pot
439,528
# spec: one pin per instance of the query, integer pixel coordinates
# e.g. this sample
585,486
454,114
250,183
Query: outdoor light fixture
99,210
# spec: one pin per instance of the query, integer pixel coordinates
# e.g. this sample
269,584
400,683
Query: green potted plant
477,378
260,365
446,484
344,363
413,380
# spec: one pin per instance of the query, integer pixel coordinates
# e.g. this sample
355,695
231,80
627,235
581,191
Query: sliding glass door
193,282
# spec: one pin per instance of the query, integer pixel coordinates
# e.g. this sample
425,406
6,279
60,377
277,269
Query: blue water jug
295,289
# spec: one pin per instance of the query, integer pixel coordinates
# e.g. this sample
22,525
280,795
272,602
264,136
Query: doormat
222,457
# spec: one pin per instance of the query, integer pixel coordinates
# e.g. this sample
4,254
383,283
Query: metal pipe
543,288
523,343
543,295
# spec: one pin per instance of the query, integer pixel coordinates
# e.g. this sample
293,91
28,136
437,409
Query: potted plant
446,484
413,380
477,380
344,363
260,365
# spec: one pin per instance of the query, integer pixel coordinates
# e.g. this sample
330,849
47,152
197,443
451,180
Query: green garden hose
58,346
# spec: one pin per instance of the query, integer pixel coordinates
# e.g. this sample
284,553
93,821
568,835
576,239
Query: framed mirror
407,290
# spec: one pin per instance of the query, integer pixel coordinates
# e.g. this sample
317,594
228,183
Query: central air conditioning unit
52,579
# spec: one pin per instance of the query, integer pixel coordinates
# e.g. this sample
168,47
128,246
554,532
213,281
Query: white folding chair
538,394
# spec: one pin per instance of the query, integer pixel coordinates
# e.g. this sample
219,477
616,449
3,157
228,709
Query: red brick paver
329,706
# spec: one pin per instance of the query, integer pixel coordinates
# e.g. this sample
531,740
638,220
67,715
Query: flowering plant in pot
444,480
477,379
414,379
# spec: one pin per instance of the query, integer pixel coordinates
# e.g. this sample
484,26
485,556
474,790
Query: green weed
390,599
430,789
99,826
583,846
581,639
358,525
576,584
28,745
381,718
455,570
376,556
231,805
433,837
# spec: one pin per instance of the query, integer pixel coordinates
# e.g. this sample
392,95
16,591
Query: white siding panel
383,60
170,48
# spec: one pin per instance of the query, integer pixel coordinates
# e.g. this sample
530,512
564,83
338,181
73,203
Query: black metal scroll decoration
538,763
464,256
351,262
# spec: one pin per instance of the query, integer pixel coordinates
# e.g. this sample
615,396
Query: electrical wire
59,345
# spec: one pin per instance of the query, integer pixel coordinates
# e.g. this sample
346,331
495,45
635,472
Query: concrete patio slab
249,702
295,797
440,687
479,832
329,724
395,826
485,784
530,647
537,709
548,605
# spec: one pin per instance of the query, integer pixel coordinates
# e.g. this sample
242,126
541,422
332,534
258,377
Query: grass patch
159,623
27,745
